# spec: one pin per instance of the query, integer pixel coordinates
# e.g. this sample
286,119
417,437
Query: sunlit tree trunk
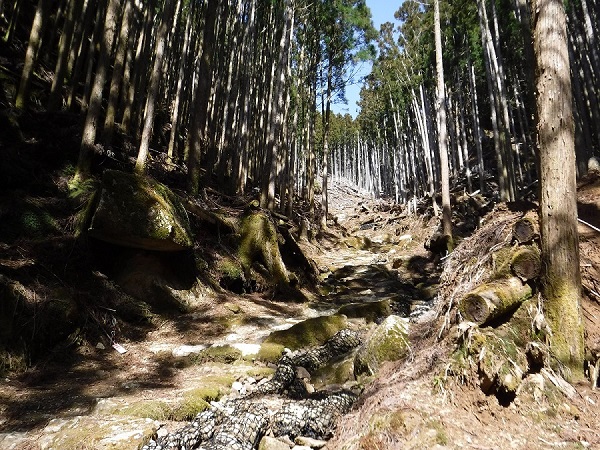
117,75
561,279
179,91
35,41
442,133
153,90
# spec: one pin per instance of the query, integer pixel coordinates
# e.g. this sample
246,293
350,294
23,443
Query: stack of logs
514,268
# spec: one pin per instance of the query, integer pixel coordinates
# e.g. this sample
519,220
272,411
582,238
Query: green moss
196,401
259,242
230,268
501,259
308,333
259,373
151,409
26,218
219,354
270,352
222,380
371,312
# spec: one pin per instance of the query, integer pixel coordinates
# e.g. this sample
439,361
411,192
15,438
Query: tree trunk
561,279
94,112
442,132
183,64
75,10
159,51
198,125
35,41
117,75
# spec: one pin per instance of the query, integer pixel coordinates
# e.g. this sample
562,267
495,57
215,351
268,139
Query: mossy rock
258,373
337,372
218,354
371,312
140,212
25,218
231,275
388,342
309,333
270,352
150,409
195,401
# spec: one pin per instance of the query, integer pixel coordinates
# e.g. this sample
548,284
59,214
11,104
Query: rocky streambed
240,373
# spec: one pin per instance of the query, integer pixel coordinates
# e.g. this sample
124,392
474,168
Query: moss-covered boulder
139,212
371,311
309,333
388,342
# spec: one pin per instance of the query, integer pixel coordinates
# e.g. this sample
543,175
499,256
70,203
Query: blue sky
381,11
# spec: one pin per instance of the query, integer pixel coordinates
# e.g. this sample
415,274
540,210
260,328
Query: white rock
310,442
247,349
186,350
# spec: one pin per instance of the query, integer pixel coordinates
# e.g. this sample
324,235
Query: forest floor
373,252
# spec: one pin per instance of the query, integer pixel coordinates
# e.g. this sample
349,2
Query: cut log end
526,263
524,230
493,300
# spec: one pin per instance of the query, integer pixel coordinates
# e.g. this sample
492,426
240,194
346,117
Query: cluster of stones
239,424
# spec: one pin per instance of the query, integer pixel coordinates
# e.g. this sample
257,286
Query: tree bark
442,132
117,75
561,279
35,41
159,53
92,117
55,99
198,125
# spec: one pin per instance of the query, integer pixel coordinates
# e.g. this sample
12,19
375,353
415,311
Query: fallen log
494,299
525,230
526,262
214,218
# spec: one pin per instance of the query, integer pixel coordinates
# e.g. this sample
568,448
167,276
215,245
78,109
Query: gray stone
15,440
270,443
106,433
139,212
310,442
388,342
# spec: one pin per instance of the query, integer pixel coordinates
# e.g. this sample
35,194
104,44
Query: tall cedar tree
561,279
